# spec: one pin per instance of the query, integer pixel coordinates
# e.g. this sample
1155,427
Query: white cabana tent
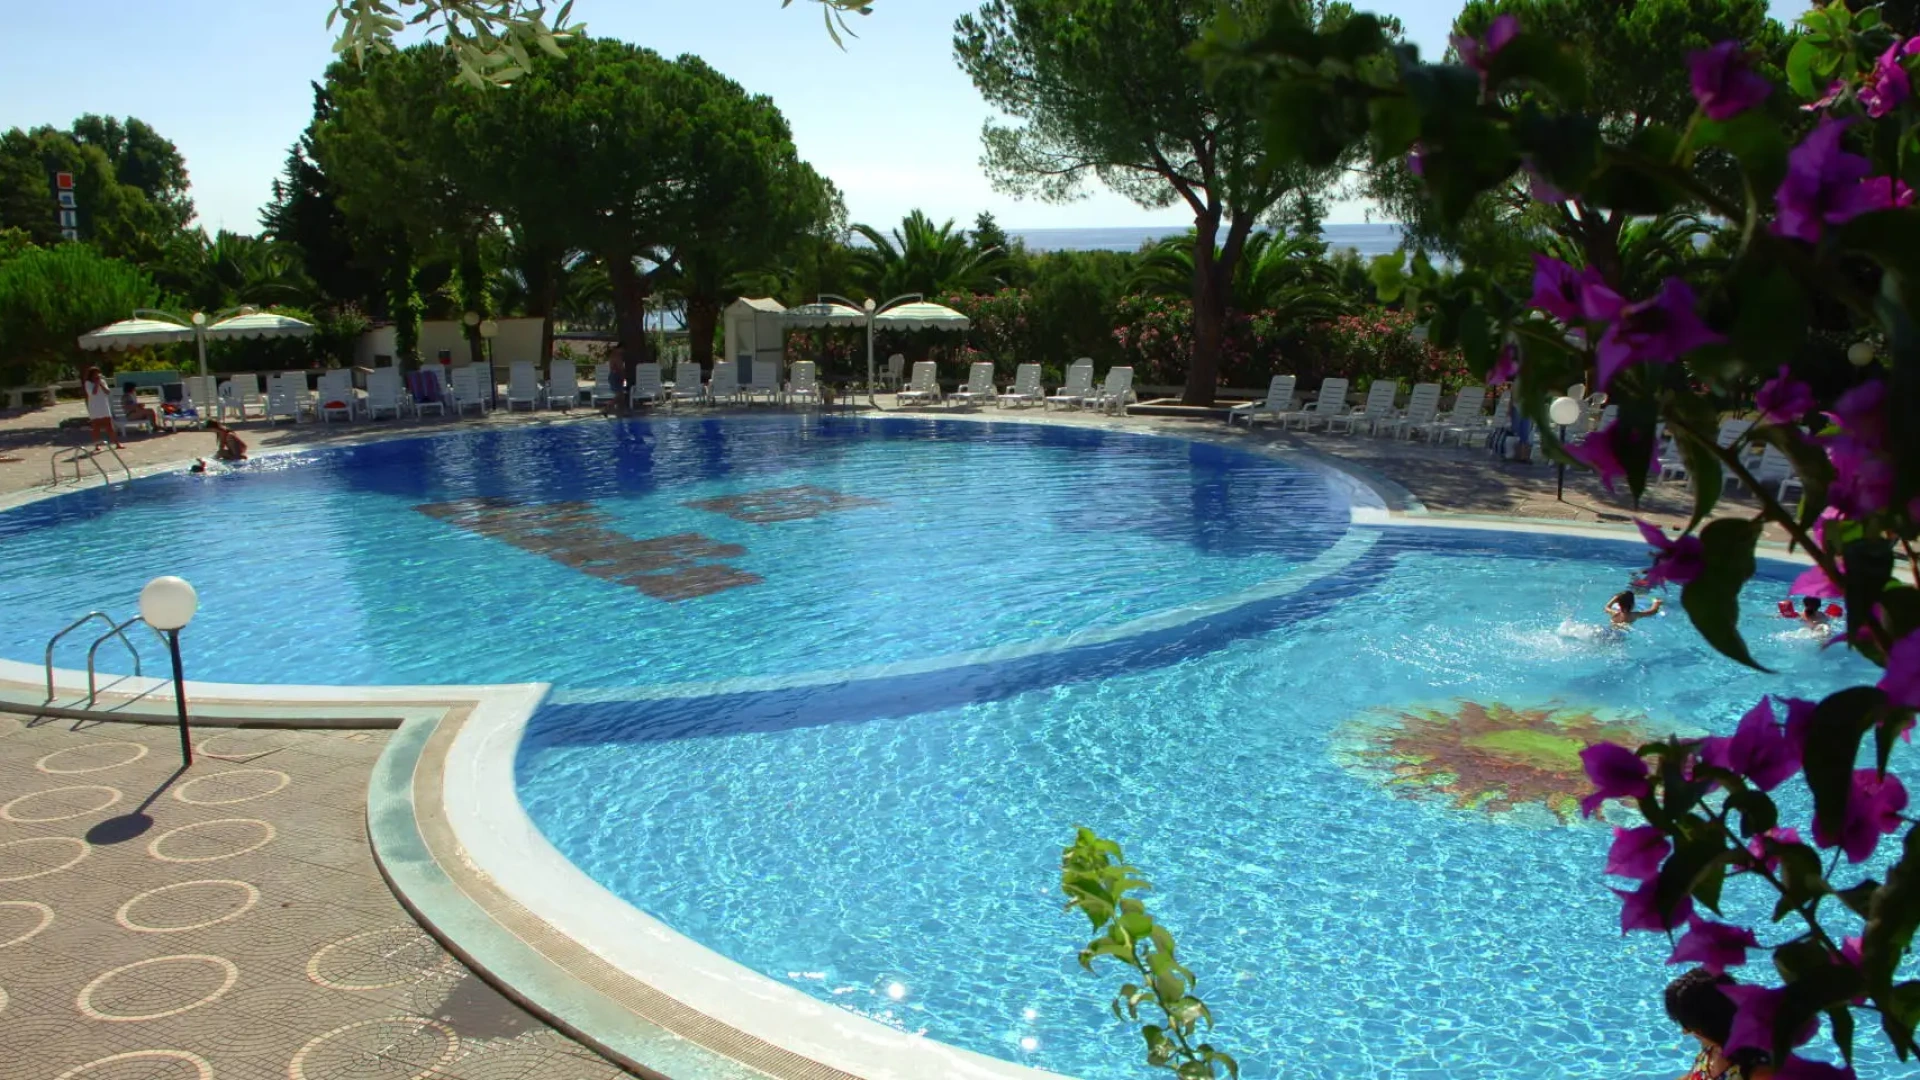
912,314
755,335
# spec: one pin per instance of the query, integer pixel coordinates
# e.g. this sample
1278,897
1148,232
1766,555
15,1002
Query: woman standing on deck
99,408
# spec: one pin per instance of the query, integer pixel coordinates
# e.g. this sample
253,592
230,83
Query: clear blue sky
892,119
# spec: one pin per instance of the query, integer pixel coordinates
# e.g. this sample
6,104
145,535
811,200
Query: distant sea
1368,240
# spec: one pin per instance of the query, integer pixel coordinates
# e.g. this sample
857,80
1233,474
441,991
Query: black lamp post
1563,411
167,604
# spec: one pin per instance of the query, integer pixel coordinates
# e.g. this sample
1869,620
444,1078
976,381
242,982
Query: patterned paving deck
225,924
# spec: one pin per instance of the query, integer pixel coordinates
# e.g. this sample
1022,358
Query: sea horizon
1369,239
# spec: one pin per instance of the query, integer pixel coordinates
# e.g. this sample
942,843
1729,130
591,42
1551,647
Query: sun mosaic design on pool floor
1485,756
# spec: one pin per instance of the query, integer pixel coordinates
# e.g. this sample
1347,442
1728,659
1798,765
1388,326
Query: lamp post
1563,411
167,604
488,328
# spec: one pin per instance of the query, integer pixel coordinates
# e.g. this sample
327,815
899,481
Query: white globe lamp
1860,354
1563,411
167,604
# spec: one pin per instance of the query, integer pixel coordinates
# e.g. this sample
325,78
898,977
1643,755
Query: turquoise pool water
1189,649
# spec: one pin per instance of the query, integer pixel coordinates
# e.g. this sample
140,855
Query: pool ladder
74,455
114,630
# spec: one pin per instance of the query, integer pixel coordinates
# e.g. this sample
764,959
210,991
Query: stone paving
228,923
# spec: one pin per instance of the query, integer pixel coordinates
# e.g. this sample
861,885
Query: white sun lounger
1025,389
563,384
687,383
1378,408
979,387
385,394
602,390
1078,388
468,392
240,393
1465,412
523,385
924,387
804,385
1116,393
1423,404
1279,402
1325,409
647,385
724,384
896,367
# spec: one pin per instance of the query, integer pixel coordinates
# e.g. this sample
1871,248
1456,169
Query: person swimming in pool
1621,609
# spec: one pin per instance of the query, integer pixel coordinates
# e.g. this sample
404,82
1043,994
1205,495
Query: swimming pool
853,772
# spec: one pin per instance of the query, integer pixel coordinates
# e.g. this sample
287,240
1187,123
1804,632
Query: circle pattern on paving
59,804
377,959
401,1046
16,914
232,786
93,757
210,841
243,743
187,905
143,1065
21,860
160,987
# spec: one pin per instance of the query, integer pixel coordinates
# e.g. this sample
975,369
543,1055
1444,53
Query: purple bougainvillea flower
1887,192
1600,452
1863,478
1713,945
1598,302
1639,910
1799,1068
1902,678
1762,854
1886,85
1813,581
1677,560
1637,853
1477,53
1753,1024
1862,413
1784,399
1758,749
1658,330
1822,186
1724,82
1417,160
1506,367
1557,287
1799,723
1873,810
1616,772
1834,90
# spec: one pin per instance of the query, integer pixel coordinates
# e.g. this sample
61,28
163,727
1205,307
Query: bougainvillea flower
1640,911
1886,86
1902,678
1813,581
1753,1024
1637,853
1677,560
1863,478
1799,1068
1506,366
1862,413
1657,330
1784,399
1887,192
1599,303
1600,452
1758,749
1822,186
1724,82
1477,53
1873,810
1713,945
1557,287
1616,772
1834,90
1799,722
1763,854
1417,160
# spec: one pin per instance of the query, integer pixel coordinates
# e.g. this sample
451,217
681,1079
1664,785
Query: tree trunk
473,294
630,290
703,314
1209,313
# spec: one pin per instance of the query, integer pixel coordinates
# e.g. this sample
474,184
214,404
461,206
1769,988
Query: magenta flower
1799,723
1637,853
1506,367
1658,330
1763,852
1714,946
1834,90
1813,581
1640,911
1417,160
1863,478
1822,186
1600,451
1902,678
1599,303
1873,810
1758,750
1753,1024
1784,399
1616,772
1724,82
1678,560
1861,412
1557,287
1477,53
1887,192
1886,85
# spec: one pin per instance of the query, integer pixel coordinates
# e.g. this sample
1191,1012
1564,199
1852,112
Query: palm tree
925,258
233,269
1280,274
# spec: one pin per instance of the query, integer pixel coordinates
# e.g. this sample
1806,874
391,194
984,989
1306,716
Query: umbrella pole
200,341
870,401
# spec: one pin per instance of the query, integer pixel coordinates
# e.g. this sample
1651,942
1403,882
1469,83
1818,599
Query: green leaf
1840,1020
1800,878
1712,600
1800,69
1833,744
1160,1049
1770,317
1542,61
1695,413
1869,566
1859,898
1388,275
1395,126
1893,917
1757,812
1888,237
1693,856
1756,139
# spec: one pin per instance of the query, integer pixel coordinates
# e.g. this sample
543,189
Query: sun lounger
523,385
602,390
1325,409
1423,404
924,387
724,384
1464,415
563,384
1025,389
385,395
1379,407
687,383
804,386
1079,386
979,387
647,385
1116,393
468,393
1279,402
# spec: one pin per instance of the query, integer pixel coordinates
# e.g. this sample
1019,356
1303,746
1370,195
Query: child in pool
1620,609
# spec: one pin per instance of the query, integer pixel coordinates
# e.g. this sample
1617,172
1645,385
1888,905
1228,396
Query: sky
891,119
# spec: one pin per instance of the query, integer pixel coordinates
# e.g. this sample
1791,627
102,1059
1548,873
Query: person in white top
99,407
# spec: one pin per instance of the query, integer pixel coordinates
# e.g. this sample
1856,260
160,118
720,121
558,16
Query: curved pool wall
478,795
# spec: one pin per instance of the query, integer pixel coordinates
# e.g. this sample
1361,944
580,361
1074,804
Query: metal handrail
89,454
70,628
118,630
